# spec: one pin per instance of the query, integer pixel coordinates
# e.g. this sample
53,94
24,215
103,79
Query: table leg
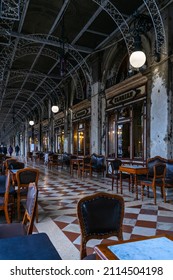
78,169
136,186
121,187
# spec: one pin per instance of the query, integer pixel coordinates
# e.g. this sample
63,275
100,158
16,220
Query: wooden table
28,247
105,253
75,162
133,170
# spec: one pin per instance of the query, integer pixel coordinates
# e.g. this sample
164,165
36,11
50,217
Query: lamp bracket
140,25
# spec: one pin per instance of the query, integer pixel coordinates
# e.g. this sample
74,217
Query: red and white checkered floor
58,196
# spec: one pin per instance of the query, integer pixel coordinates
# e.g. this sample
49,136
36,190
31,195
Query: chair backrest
87,160
27,175
2,184
30,211
97,160
7,188
16,165
159,171
73,157
151,162
66,158
115,164
4,201
100,216
8,162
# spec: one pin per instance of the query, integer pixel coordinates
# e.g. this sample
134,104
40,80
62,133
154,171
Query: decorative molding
82,114
59,122
127,85
58,116
82,105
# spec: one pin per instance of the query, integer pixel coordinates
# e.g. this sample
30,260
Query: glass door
126,132
123,140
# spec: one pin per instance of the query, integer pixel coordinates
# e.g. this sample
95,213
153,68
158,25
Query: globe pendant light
31,123
137,59
55,109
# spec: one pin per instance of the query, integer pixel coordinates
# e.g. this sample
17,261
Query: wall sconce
55,109
31,123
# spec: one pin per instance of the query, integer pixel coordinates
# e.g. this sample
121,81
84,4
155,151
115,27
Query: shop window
123,140
111,136
45,143
138,130
80,142
75,139
36,143
87,138
81,138
59,148
126,132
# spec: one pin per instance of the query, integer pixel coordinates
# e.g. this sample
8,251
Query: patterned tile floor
58,196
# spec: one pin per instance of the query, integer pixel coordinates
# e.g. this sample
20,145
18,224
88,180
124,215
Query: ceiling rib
95,15
78,54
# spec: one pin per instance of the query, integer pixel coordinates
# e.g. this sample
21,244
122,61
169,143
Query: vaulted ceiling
46,44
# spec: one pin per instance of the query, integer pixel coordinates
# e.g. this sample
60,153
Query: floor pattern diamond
58,196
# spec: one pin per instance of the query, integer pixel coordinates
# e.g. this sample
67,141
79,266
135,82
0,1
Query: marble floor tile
59,193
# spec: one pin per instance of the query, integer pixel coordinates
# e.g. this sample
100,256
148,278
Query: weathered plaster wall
158,115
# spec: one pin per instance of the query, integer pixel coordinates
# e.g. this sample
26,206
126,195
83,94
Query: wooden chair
7,163
85,166
100,216
97,163
54,160
26,227
158,179
115,175
2,159
29,156
7,193
74,164
23,178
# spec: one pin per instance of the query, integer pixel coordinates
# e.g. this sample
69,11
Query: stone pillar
67,120
26,139
95,120
70,130
159,112
103,123
50,128
160,99
170,112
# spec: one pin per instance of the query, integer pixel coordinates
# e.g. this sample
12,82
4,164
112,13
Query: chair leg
37,213
163,192
154,192
129,184
7,215
117,184
142,191
132,182
112,183
90,172
18,208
